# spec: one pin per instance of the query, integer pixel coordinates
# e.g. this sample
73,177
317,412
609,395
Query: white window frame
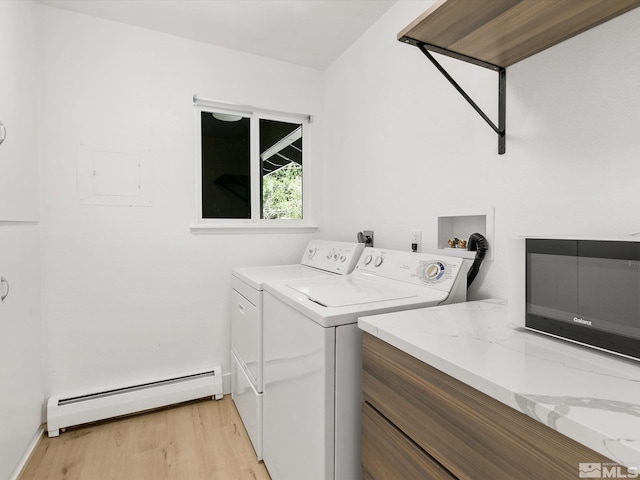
255,224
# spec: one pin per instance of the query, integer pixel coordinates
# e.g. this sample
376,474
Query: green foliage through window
282,193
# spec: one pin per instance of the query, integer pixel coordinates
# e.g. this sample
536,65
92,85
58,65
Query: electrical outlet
368,234
416,241
366,237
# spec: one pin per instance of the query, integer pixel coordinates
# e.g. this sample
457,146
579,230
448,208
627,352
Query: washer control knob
432,272
311,253
379,261
367,259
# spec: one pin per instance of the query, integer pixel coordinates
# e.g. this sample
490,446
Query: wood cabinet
390,454
421,423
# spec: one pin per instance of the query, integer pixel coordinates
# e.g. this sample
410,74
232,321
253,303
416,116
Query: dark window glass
226,191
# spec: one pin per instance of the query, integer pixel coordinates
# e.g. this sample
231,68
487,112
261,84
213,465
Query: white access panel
299,395
120,176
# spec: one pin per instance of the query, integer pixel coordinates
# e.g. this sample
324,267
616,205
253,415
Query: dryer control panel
435,271
335,257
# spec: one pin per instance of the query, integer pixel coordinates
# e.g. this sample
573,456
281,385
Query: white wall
130,294
21,392
409,148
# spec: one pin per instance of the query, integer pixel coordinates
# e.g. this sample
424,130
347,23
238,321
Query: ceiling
312,33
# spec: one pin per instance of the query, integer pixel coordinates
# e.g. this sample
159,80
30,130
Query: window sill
250,228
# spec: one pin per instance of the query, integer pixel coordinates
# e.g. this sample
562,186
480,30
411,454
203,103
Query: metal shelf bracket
500,129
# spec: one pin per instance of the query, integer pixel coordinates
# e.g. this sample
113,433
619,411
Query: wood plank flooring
202,440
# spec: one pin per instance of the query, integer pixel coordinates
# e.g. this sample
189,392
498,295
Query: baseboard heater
66,412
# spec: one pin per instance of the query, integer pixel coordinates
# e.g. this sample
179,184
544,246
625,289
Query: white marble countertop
588,395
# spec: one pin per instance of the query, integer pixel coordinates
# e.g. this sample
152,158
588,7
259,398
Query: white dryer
320,259
313,360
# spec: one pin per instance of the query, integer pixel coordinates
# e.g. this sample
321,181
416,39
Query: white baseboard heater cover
65,412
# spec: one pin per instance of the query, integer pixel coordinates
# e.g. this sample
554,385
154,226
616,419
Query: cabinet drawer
246,336
388,454
471,434
247,291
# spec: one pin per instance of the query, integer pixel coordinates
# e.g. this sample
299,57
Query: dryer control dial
367,259
379,261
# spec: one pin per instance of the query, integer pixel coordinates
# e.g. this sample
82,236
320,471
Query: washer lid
345,291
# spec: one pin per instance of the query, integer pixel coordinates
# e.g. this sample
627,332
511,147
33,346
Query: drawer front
389,454
247,291
471,434
246,336
249,404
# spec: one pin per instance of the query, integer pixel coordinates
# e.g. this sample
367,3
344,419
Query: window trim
255,224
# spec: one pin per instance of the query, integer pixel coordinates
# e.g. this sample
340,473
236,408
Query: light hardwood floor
202,440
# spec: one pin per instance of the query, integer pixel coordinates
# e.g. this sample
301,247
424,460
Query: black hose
480,245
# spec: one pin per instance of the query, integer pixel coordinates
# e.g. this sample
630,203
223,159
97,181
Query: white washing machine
313,360
320,259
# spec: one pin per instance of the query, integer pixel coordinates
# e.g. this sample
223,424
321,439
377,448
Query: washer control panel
434,271
417,268
336,257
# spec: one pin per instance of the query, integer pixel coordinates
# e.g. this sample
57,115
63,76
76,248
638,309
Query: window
250,166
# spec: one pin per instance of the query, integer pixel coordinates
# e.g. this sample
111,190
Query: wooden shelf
503,32
495,34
